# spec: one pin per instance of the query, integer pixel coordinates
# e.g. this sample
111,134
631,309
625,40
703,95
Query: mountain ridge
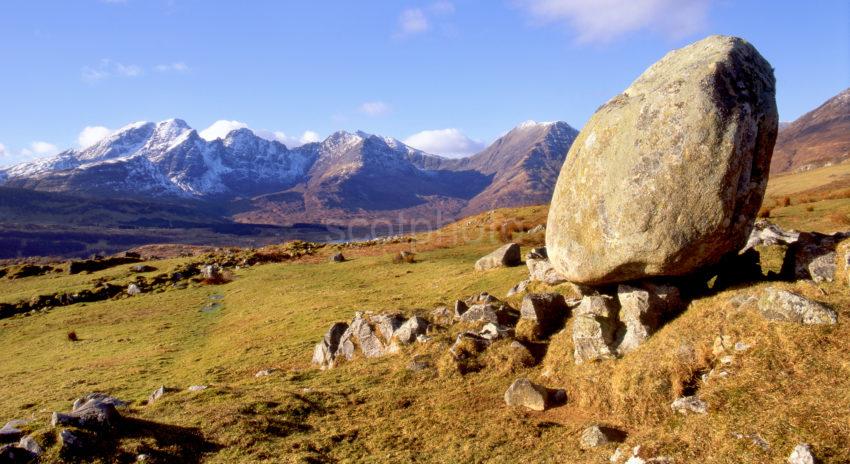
346,176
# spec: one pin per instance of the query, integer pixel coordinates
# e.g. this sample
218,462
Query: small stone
721,344
441,315
539,228
741,346
28,443
525,393
133,290
157,394
338,258
506,255
727,360
492,331
101,397
688,404
519,288
541,270
594,436
822,268
419,363
71,443
784,306
197,388
265,373
802,454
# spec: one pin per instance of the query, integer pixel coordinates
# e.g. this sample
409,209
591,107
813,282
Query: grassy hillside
793,385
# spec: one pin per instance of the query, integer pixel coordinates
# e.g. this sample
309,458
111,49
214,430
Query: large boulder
506,255
667,177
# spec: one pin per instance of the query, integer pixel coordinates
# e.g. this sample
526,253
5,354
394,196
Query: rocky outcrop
667,177
547,310
784,306
504,256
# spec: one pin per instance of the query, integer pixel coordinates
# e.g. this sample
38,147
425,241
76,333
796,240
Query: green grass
793,387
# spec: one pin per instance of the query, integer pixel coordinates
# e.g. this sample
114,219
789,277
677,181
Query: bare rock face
506,255
667,177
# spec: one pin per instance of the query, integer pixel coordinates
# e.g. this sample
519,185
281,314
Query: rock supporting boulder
782,305
594,327
667,177
548,310
506,255
641,312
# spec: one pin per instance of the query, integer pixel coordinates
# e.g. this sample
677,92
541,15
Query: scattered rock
822,268
504,256
595,435
781,305
594,329
411,329
442,315
10,454
133,290
741,346
492,331
157,394
519,288
197,388
72,443
548,310
101,397
802,454
28,443
139,268
766,233
268,372
326,351
94,414
722,343
541,270
211,272
387,324
468,343
688,404
419,363
460,308
527,394
693,134
539,228
10,432
338,258
812,251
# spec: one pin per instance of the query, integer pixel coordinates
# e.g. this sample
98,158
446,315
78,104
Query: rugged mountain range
818,138
347,176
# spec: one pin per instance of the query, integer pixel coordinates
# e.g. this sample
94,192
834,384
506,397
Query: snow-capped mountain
350,174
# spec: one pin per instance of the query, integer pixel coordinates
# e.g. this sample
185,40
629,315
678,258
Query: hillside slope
818,138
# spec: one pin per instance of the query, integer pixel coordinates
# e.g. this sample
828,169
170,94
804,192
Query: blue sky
447,75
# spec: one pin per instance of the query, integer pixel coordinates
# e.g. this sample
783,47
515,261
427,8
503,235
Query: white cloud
606,20
447,142
107,68
90,135
413,21
289,141
3,151
39,148
177,67
375,108
220,129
